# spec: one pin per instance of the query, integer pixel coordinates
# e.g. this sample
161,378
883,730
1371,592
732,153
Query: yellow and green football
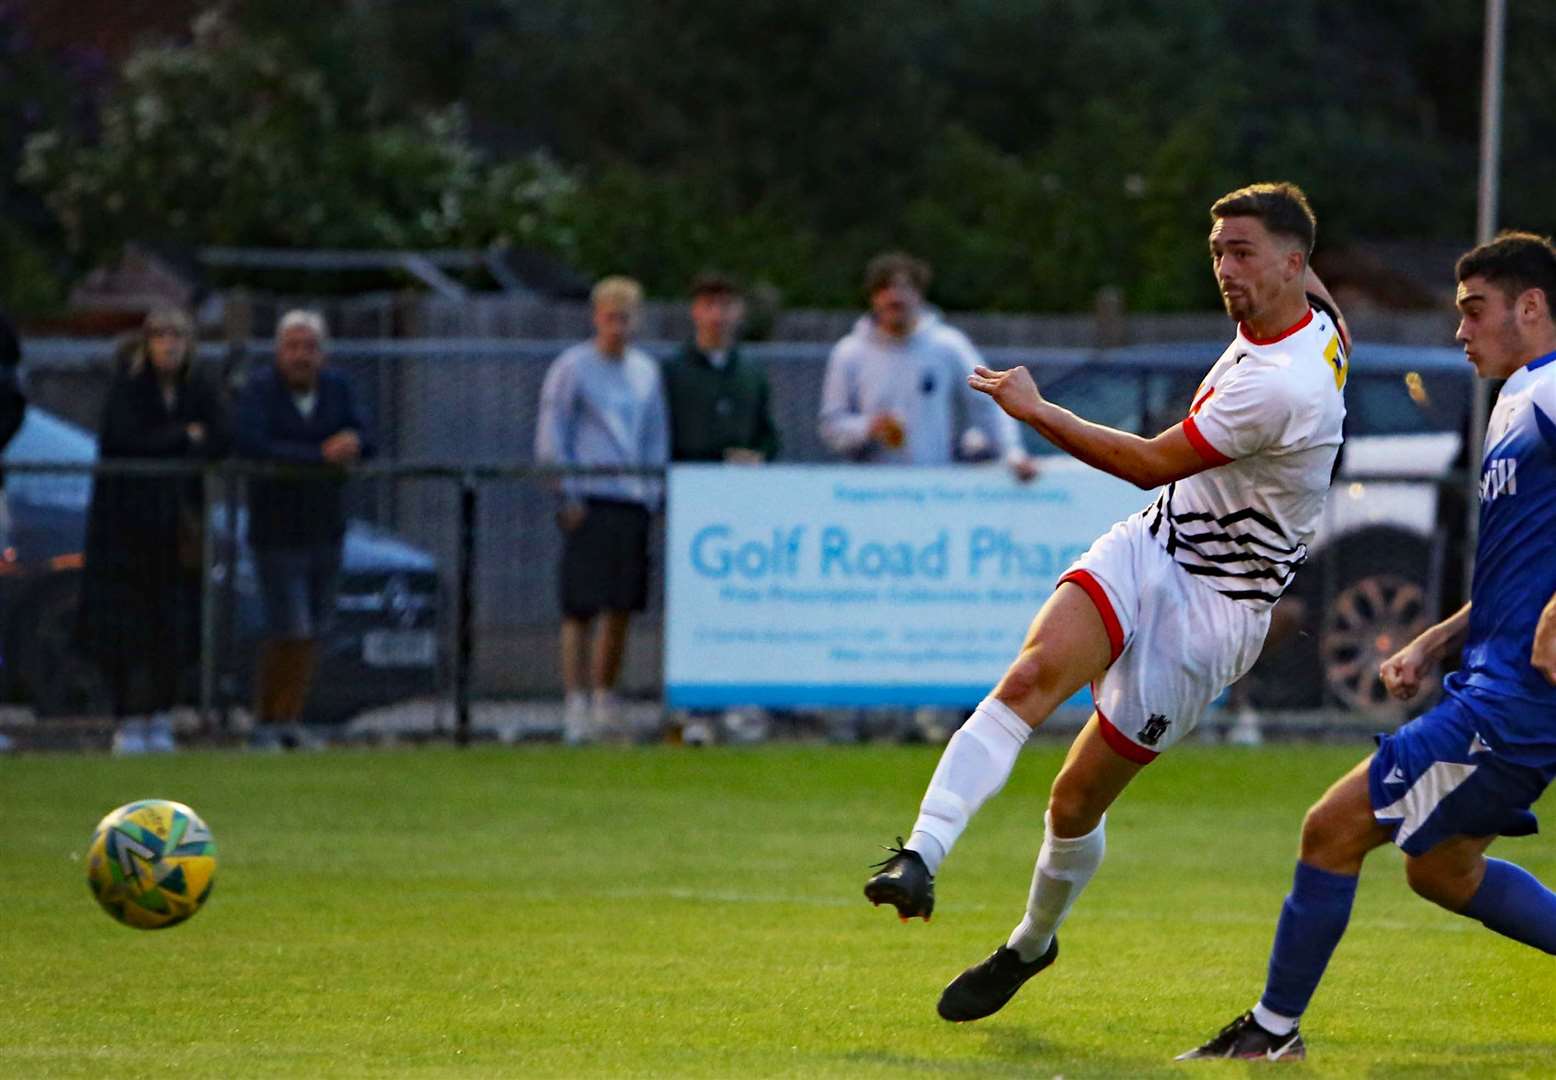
152,863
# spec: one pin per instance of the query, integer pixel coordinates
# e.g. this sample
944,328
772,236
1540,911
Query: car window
1103,394
1408,403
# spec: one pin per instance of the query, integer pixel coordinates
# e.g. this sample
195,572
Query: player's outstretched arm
1146,463
1405,671
1543,656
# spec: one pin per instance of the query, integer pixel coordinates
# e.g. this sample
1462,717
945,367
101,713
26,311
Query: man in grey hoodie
896,386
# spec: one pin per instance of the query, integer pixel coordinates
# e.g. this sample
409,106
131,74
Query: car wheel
40,641
1371,618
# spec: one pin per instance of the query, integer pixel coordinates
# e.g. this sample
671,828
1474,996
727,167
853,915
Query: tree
230,139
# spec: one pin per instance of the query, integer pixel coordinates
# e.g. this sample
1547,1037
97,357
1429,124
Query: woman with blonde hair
140,589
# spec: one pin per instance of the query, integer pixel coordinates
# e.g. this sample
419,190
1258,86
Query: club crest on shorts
1155,727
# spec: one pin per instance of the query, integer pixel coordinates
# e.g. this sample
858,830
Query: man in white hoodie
896,386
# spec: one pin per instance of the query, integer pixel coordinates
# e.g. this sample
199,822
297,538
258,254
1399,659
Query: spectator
602,405
140,590
720,410
297,412
896,392
720,407
13,408
896,388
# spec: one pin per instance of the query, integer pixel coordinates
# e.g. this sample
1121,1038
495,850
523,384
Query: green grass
550,912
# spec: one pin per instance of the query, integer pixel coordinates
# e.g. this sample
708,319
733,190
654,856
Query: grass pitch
607,912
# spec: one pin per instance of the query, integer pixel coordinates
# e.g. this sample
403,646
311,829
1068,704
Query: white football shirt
1267,419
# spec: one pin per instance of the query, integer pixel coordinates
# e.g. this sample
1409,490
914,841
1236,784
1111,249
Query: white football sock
1064,866
975,765
1274,1023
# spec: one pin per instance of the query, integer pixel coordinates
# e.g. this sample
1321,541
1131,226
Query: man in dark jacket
720,406
720,410
300,414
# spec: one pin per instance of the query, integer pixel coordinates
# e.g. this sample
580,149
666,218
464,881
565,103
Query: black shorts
605,560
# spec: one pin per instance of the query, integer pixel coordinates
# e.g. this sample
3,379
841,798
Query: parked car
1386,562
384,645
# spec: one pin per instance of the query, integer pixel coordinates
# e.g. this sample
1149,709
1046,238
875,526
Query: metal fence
461,503
448,608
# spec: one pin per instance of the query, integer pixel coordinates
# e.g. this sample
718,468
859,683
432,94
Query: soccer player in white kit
1172,604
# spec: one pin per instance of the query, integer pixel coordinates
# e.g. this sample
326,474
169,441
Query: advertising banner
848,585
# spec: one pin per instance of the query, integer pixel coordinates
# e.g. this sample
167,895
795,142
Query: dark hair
714,283
890,265
1281,206
1514,262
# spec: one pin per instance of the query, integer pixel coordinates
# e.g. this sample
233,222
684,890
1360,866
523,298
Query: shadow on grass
1008,1051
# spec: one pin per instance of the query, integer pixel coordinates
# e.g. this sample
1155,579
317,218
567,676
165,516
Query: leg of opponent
1065,649
1501,895
1337,834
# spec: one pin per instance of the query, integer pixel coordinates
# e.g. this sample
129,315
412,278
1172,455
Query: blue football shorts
1436,778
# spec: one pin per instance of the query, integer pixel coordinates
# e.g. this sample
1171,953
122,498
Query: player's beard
1239,305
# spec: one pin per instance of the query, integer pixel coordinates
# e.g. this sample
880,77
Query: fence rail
463,554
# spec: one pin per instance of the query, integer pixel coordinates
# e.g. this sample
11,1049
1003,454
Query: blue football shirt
1515,570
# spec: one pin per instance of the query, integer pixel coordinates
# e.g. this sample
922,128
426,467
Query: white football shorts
1177,643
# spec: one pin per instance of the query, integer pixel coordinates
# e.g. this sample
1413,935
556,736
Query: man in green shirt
720,408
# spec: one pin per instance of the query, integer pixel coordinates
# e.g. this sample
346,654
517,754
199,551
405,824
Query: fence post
465,641
208,496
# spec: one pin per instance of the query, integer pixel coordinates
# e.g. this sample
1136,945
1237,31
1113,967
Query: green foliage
233,140
37,89
1034,151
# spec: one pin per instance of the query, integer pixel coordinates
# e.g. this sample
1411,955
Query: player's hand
740,455
1013,390
571,515
888,430
1404,672
196,432
1543,656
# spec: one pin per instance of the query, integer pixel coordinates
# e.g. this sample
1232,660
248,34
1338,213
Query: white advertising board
856,585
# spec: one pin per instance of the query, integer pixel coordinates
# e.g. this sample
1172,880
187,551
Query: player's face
613,325
1488,328
299,358
896,305
1253,268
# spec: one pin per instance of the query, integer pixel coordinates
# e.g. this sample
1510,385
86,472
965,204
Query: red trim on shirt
1207,453
1242,328
1093,589
1121,743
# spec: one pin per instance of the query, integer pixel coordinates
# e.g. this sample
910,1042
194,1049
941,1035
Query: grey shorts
297,588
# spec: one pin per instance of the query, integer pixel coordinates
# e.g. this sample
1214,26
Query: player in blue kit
1447,784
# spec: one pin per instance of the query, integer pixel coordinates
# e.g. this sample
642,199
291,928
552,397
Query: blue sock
1312,921
1512,902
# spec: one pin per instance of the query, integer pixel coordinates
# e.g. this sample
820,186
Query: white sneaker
577,728
1246,729
697,731
747,726
606,715
129,738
